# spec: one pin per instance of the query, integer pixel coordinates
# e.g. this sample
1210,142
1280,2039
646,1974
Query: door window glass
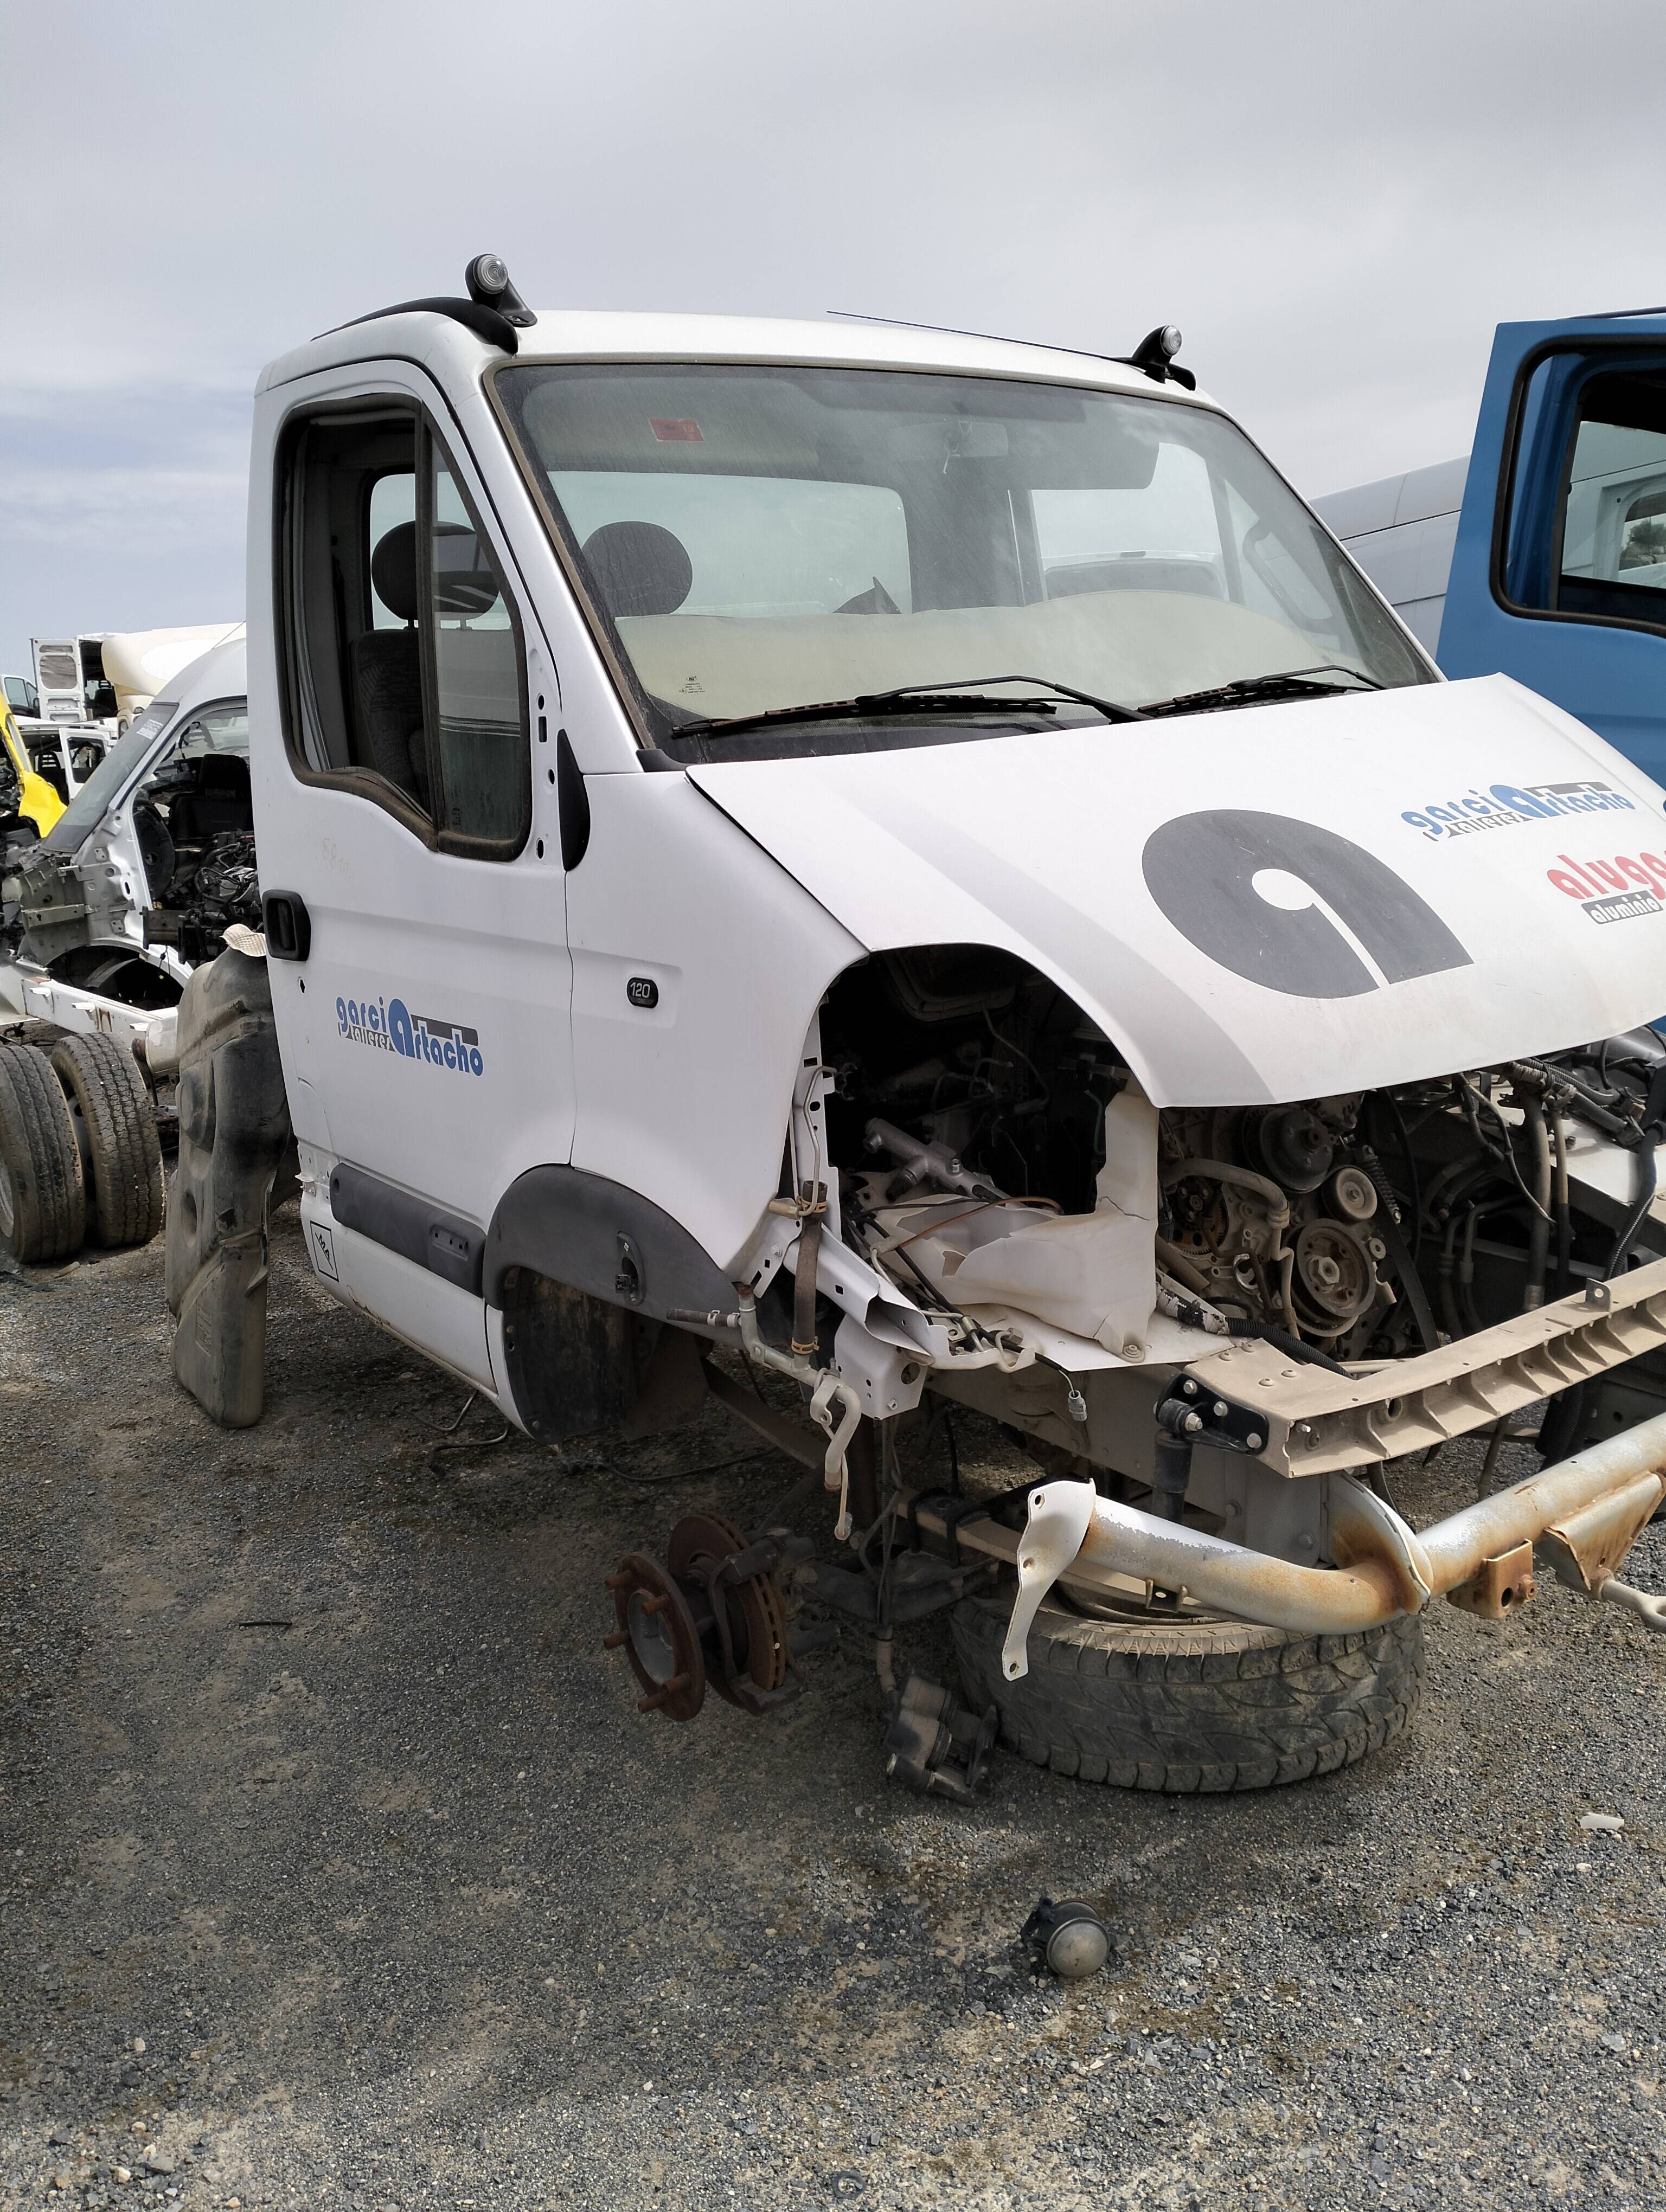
476,675
404,655
1614,531
1585,530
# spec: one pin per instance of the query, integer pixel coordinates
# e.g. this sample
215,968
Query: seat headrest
640,567
393,570
223,772
463,583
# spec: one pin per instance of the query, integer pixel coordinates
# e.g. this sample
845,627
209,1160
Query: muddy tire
43,1203
1203,1704
102,1082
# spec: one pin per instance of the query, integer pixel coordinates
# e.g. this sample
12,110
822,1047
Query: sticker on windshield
676,430
1257,893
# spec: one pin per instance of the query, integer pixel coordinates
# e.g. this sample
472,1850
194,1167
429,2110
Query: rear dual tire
43,1200
1194,1704
123,1156
79,1156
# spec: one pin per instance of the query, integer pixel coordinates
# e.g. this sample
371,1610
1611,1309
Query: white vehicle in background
141,665
138,880
70,682
103,678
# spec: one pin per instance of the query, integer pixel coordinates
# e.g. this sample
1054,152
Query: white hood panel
1272,903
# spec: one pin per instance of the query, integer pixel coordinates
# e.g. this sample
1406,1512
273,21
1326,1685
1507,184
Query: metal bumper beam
1320,1423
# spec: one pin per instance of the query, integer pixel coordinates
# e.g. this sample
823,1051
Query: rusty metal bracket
1209,1420
1499,1585
1585,1548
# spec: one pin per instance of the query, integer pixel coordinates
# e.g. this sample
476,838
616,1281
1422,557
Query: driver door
426,1031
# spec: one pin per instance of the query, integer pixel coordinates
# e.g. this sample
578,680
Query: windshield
86,810
765,538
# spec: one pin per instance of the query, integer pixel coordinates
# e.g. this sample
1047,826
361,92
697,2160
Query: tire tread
1192,1707
42,1159
104,1079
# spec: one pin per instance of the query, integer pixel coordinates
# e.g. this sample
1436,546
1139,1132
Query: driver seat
386,670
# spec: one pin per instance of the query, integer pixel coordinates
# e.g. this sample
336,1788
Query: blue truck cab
1543,555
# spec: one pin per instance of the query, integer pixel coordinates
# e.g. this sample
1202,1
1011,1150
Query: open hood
1274,904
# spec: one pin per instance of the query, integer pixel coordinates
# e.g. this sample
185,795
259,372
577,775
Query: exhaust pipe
1585,1512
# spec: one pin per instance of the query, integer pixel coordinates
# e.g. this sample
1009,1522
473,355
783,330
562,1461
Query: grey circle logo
1201,871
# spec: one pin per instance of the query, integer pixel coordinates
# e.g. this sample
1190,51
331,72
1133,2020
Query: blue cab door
1558,572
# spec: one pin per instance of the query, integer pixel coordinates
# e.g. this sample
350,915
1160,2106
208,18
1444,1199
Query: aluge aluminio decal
1620,889
1203,870
387,1025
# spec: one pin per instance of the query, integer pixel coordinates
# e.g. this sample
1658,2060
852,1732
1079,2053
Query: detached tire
1199,1703
102,1083
43,1203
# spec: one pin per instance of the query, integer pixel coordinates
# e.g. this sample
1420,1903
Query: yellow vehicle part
39,803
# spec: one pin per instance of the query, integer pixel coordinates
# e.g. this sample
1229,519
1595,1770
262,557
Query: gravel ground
338,1869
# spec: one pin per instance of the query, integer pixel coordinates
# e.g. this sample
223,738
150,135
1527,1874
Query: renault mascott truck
913,864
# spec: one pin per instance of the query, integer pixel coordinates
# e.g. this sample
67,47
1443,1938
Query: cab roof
447,350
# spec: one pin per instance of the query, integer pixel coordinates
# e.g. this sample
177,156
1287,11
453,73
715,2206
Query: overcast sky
1336,202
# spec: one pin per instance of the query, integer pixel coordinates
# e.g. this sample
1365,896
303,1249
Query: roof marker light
488,279
1154,357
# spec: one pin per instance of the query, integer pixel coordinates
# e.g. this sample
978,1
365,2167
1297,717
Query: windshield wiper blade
952,691
1279,683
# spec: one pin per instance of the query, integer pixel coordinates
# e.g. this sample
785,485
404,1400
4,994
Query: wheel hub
712,1614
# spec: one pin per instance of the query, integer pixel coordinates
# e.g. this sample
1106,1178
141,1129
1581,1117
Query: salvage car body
576,986
135,882
36,802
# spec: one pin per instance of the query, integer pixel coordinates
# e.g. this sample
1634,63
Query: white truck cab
915,860
136,883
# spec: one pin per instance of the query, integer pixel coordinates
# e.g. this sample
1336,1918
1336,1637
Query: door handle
288,924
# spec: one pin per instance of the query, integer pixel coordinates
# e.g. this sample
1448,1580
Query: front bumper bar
1318,1423
1583,1514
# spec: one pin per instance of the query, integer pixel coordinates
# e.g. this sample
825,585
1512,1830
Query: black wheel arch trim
603,1238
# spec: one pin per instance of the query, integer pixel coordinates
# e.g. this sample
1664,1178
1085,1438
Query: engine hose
1179,1267
1637,1217
1449,1312
1564,1215
1292,1347
1278,1206
1466,1274
1538,1227
805,1341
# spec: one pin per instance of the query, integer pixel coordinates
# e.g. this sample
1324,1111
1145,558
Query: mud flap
234,1137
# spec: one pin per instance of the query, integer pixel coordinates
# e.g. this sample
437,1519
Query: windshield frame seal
605,635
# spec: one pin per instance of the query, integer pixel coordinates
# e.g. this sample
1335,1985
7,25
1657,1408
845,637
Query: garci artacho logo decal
386,1025
1502,806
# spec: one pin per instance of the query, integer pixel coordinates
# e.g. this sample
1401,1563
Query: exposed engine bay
148,891
976,1112
207,889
